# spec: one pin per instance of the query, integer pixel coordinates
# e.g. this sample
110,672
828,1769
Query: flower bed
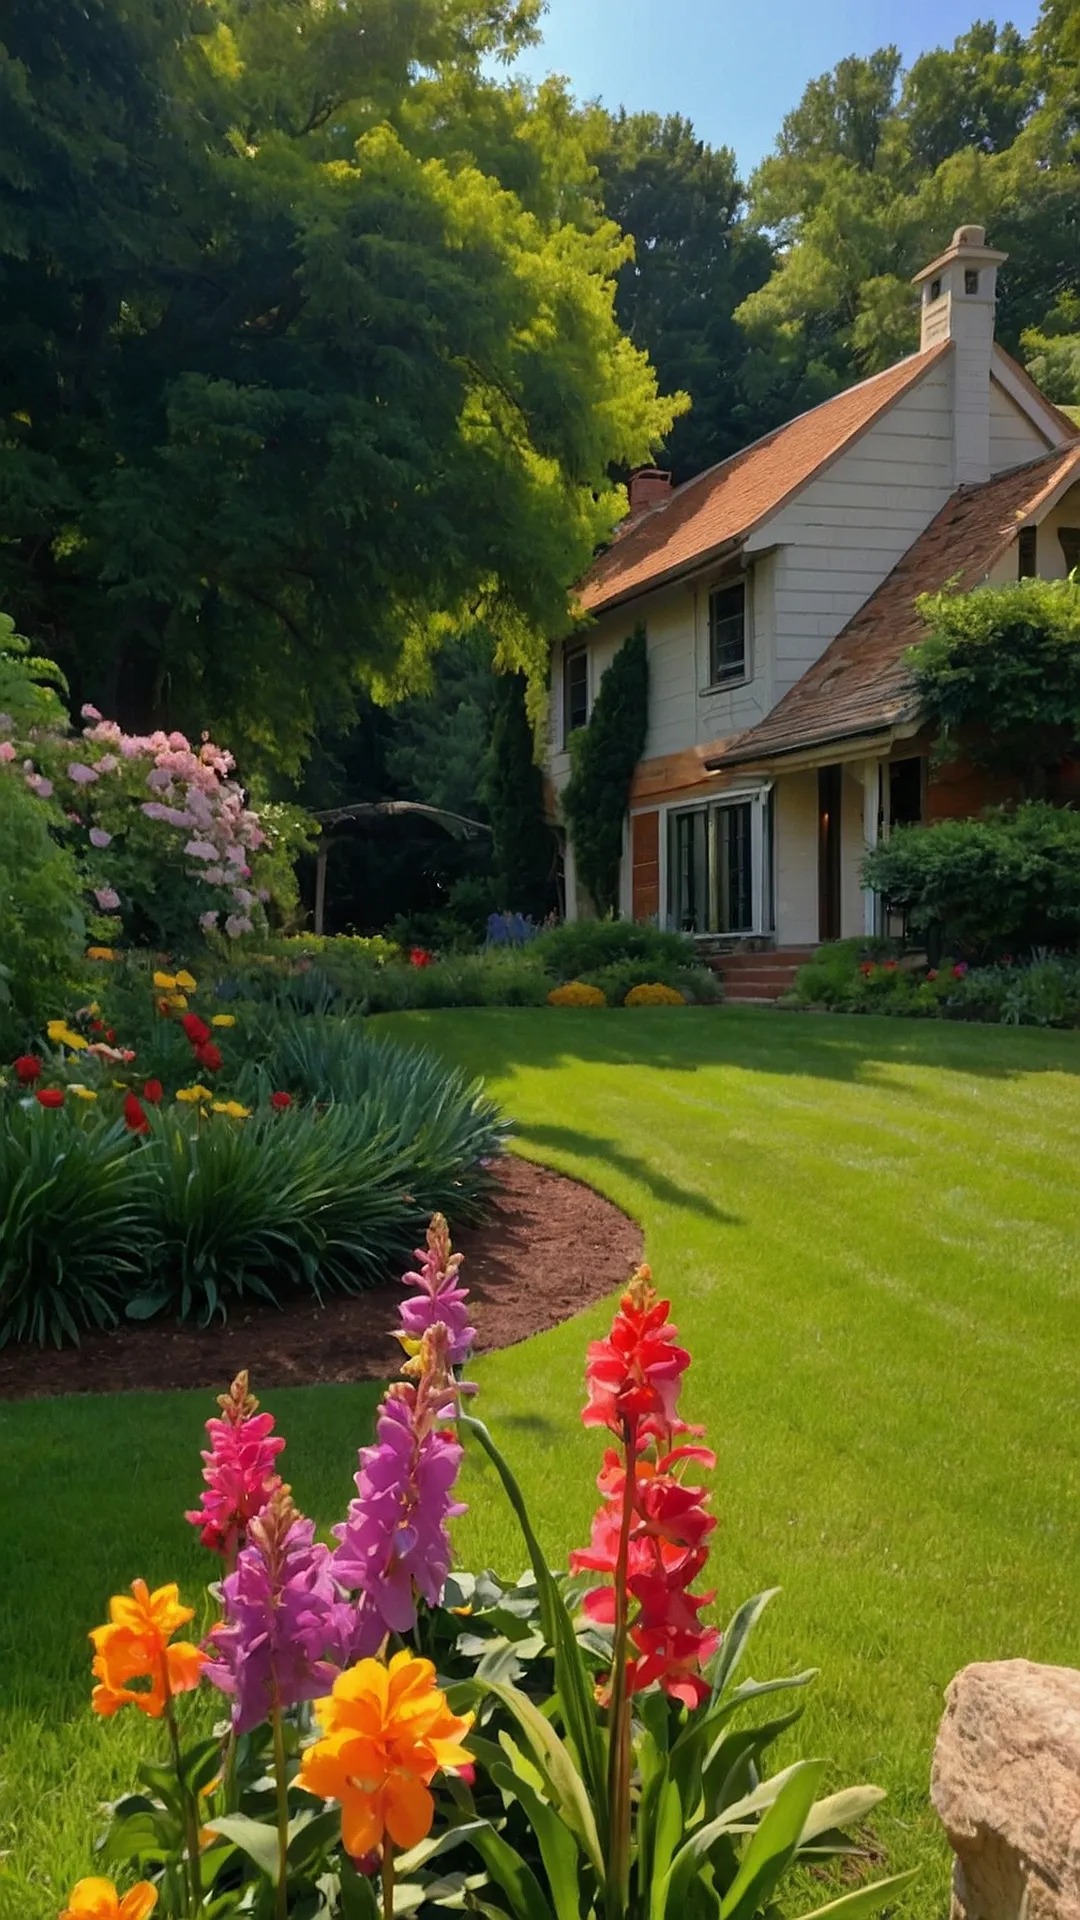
400,1737
856,976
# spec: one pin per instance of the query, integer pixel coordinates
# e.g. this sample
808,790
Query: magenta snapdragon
439,1296
239,1470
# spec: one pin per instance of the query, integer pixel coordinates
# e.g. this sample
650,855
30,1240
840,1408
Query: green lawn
871,1234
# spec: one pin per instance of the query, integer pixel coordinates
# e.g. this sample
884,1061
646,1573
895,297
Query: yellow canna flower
196,1092
223,1019
83,1093
233,1108
184,980
166,981
100,953
62,1035
98,1900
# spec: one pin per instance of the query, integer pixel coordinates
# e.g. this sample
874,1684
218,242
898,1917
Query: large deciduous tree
291,381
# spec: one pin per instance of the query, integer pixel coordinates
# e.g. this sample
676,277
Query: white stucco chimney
959,293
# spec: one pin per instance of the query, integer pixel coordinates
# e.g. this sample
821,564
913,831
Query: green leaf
666,1830
358,1901
564,1782
799,1781
842,1809
253,1837
308,1836
558,1849
774,1845
851,1906
736,1636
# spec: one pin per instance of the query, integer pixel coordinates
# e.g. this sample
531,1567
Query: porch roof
861,686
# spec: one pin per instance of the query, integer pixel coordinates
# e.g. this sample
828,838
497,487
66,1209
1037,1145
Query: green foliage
28,684
616,980
524,845
603,756
981,887
998,675
865,976
42,928
277,472
583,946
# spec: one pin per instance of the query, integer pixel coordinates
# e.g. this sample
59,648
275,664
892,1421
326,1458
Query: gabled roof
720,506
861,685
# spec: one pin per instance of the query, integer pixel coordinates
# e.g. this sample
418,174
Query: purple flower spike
440,1297
286,1632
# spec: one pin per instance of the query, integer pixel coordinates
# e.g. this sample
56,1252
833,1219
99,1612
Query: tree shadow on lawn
594,1146
500,1041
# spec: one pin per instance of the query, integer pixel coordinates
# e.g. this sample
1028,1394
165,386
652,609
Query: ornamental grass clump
401,1738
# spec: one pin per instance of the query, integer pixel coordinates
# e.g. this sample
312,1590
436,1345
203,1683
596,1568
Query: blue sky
735,69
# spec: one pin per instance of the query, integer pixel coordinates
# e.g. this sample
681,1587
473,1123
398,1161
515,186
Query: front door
830,786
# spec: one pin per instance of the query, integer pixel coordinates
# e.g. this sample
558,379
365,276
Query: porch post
871,824
320,888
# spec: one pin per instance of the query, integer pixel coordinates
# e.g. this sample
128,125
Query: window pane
735,884
727,634
688,871
575,690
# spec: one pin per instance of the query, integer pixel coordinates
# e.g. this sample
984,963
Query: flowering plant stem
282,1783
388,1878
619,1751
191,1815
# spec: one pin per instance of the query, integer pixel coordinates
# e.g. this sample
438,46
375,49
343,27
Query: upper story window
575,690
1027,553
728,651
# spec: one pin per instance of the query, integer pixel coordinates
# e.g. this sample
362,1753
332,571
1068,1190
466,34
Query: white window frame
746,582
763,910
569,649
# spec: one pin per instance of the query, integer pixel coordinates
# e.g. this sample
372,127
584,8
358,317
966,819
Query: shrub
524,850
582,946
603,756
979,887
42,929
829,978
576,993
617,980
654,994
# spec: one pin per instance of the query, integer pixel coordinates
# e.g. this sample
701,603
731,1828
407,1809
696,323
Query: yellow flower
61,1034
653,993
166,981
233,1108
223,1019
184,980
98,1900
577,994
83,1093
100,953
196,1092
177,1001
137,1644
93,1007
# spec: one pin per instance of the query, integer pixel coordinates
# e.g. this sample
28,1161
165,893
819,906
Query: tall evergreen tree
524,848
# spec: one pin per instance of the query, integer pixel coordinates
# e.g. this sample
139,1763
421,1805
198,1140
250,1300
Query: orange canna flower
98,1900
386,1733
135,1646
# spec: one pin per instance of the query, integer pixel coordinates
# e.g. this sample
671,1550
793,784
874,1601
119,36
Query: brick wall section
645,862
957,790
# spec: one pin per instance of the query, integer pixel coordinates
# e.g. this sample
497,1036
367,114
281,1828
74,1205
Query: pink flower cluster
239,1470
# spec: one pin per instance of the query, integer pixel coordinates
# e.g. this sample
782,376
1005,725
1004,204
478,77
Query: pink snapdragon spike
239,1470
439,1296
286,1630
394,1545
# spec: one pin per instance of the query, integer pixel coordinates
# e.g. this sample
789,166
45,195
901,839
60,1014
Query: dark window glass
735,880
727,634
575,690
710,872
1026,553
971,280
935,289
1069,540
905,792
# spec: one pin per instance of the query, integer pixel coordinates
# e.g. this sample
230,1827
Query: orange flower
135,1646
386,1733
99,1900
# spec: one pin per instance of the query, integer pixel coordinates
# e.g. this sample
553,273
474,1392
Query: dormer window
935,290
728,653
1027,559
971,280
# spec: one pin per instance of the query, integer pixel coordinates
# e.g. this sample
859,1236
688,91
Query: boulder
1006,1783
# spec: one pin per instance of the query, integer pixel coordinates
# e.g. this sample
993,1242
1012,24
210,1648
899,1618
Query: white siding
796,827
847,529
1014,438
1049,555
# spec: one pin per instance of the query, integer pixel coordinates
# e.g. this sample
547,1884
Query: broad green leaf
510,1872
558,1848
851,1906
739,1629
724,1776
564,1782
735,1819
842,1809
358,1898
253,1837
666,1830
773,1847
307,1836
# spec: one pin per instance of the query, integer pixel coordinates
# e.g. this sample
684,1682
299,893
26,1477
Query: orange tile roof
861,684
720,506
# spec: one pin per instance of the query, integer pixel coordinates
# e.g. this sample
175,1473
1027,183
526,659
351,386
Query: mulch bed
550,1248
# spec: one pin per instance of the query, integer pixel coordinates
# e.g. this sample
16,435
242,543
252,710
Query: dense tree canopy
291,381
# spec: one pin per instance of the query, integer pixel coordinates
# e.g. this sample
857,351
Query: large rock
1006,1782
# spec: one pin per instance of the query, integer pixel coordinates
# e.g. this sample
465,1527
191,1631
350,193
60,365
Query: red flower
97,1026
420,957
197,1030
153,1091
633,1376
959,970
111,1037
891,966
280,1101
135,1119
208,1056
27,1069
866,966
164,1007
50,1096
931,973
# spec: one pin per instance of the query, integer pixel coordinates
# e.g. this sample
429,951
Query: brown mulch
550,1248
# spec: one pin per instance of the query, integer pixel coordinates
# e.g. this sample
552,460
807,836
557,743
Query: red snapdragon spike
135,1119
197,1030
279,1101
209,1056
50,1096
27,1069
633,1376
153,1092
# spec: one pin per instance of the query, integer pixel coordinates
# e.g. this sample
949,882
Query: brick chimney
649,487
959,293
